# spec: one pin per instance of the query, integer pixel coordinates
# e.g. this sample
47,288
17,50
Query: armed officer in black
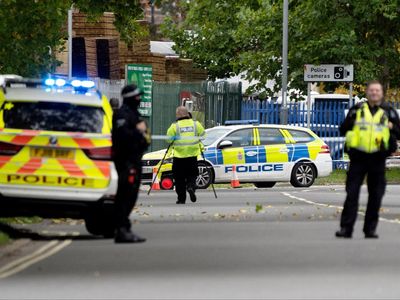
130,140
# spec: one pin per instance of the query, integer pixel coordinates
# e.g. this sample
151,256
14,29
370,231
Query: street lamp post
284,107
70,42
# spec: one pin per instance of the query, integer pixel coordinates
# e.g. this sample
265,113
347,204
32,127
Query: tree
29,29
207,34
361,32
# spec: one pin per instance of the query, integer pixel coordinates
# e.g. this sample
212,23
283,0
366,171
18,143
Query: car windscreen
52,116
214,134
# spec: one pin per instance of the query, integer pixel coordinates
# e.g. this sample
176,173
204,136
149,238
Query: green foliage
4,238
126,12
207,34
230,37
30,28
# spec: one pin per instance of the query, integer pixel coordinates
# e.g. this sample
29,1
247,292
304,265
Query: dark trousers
185,173
128,188
372,166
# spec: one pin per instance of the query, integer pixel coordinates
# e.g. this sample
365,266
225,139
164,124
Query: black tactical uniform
371,164
129,144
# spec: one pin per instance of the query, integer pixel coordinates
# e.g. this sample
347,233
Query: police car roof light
242,122
49,82
60,82
76,83
88,84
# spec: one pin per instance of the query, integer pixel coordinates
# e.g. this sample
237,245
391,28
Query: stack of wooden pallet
82,27
99,52
91,57
178,69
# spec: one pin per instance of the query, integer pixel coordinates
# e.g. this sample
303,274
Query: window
301,136
241,138
214,134
53,116
270,136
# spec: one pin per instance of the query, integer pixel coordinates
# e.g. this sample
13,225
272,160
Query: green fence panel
213,104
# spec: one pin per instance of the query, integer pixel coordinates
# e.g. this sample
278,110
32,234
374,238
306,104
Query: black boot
371,235
192,194
344,233
123,235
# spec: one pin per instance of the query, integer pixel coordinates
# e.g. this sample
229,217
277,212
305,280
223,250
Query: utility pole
285,25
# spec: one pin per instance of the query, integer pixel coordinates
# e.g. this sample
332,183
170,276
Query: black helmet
130,91
129,95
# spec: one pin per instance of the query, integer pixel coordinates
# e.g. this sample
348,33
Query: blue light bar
77,84
242,122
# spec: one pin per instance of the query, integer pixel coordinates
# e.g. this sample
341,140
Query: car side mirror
225,144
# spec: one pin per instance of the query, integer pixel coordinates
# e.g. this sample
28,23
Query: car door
273,160
242,153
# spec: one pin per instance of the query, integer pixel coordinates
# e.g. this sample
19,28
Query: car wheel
266,184
303,174
205,177
99,224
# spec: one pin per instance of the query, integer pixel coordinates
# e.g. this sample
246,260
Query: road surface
248,243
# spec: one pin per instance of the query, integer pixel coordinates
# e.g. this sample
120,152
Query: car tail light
325,149
99,153
9,149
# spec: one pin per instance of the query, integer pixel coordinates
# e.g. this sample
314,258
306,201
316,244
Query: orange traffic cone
156,182
235,180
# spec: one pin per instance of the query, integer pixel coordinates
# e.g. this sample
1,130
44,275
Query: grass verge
339,177
4,238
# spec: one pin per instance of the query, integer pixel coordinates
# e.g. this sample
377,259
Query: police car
262,154
55,151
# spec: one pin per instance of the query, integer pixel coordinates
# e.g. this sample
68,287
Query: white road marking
393,221
22,263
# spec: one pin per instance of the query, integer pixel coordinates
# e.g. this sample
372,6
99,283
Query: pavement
247,244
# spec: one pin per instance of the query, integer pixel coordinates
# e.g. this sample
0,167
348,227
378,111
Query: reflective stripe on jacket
185,135
370,133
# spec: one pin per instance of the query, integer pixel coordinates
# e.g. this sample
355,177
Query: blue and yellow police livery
262,154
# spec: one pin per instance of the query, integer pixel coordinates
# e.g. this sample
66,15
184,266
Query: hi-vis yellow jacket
370,133
185,135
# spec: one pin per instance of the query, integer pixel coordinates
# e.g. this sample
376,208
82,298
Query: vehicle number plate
52,153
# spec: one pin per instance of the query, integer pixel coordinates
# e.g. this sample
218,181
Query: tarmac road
248,243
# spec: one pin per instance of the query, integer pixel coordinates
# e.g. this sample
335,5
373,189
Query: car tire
100,223
265,184
303,175
206,175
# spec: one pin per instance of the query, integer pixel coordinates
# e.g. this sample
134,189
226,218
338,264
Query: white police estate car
262,154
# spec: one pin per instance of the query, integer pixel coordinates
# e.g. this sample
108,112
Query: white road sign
332,73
